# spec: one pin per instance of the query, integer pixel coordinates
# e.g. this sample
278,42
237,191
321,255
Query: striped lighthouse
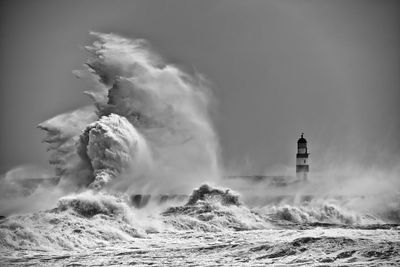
302,167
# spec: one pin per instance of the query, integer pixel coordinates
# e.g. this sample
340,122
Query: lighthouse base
302,176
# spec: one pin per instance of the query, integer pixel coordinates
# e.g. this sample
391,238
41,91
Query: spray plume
150,123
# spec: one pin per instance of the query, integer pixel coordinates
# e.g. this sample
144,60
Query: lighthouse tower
302,159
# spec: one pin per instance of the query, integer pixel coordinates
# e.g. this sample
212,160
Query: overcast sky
328,68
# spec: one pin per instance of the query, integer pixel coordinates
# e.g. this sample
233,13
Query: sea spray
168,113
168,106
62,136
149,132
112,146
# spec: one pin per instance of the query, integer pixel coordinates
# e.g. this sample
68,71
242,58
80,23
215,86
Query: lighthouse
302,167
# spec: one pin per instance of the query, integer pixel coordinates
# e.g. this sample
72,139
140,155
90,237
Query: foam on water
92,220
210,209
326,213
79,221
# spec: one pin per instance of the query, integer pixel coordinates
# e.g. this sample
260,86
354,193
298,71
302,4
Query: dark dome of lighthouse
302,140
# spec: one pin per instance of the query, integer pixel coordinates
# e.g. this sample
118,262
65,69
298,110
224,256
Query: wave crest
204,192
81,221
89,205
210,209
325,213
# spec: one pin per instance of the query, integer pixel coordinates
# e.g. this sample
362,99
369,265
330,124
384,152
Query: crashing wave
318,212
309,214
209,209
89,205
81,221
140,103
205,192
166,105
112,146
351,211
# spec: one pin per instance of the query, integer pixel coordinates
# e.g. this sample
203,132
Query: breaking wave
111,146
149,128
325,213
149,131
80,221
210,209
91,219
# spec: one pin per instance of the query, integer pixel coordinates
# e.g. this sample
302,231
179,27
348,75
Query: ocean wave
91,219
209,209
327,213
80,221
89,205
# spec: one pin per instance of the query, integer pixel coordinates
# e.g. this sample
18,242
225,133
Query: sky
277,68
